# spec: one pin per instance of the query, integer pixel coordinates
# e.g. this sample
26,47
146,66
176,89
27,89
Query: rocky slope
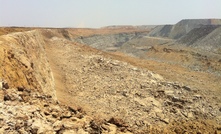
134,44
109,42
138,47
182,27
52,84
28,99
163,49
205,37
106,88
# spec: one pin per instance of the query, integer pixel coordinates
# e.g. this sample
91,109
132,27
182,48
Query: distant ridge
142,27
182,27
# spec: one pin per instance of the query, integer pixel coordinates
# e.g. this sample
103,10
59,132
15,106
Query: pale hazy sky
98,13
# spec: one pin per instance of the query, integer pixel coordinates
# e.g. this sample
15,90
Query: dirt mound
196,34
211,42
203,38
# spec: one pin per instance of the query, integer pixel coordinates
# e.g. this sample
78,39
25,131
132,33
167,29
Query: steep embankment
24,62
182,27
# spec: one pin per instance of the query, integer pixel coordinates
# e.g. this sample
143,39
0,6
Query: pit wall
24,63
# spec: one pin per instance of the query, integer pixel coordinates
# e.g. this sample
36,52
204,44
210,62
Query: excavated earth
51,83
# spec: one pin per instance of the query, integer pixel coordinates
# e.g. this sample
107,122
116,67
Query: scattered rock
5,85
139,123
186,88
68,124
177,99
72,110
197,96
117,89
166,120
41,127
21,89
190,115
118,122
66,114
7,97
105,127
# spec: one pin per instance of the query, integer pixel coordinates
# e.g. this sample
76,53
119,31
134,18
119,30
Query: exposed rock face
24,62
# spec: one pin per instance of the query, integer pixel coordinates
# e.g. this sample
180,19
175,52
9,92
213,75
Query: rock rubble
25,111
